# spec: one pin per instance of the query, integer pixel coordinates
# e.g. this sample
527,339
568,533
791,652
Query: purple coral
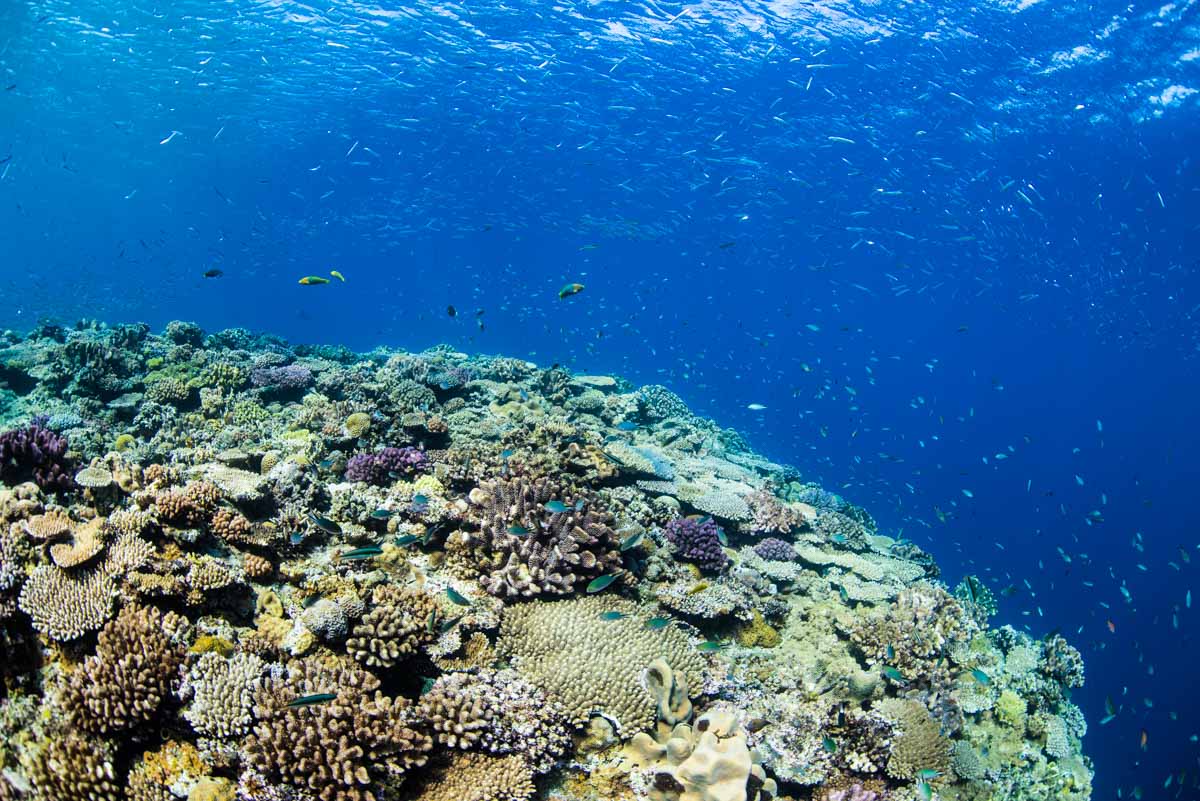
35,453
382,466
855,792
288,377
775,550
698,541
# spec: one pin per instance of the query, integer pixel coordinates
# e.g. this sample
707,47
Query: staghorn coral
132,672
338,750
524,549
588,664
396,626
76,768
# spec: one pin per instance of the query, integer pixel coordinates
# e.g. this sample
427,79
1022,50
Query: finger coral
383,466
35,453
76,768
399,623
480,777
697,541
65,606
537,538
340,749
132,672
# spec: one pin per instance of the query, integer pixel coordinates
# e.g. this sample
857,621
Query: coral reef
231,568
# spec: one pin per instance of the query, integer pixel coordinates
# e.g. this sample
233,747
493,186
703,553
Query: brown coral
136,662
395,627
189,507
590,664
524,549
65,605
85,544
338,749
479,777
257,567
917,743
76,768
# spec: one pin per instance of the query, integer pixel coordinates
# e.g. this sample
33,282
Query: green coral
1010,710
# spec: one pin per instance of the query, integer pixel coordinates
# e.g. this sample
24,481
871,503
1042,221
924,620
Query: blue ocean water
952,250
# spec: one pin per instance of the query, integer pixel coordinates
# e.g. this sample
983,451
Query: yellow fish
338,276
313,280
570,289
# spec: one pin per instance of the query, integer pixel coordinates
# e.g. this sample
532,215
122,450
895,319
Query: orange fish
1111,626
1145,738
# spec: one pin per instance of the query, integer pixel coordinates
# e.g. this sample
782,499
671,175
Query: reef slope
235,568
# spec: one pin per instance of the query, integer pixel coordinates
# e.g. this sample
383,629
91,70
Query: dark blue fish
310,700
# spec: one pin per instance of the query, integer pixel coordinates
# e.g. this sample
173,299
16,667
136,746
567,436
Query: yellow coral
358,424
123,443
1010,710
209,642
758,634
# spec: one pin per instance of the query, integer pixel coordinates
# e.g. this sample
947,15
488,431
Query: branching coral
35,453
220,692
340,749
537,538
65,606
480,777
498,712
915,631
189,507
132,672
399,623
698,541
384,466
76,768
918,743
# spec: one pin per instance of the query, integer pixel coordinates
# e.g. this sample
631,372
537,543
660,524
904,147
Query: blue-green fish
711,645
927,774
420,500
721,538
310,700
407,539
381,514
612,614
840,539
368,552
324,523
892,673
431,623
829,745
507,452
981,677
633,540
456,597
891,652
600,583
556,507
627,425
924,791
518,531
658,622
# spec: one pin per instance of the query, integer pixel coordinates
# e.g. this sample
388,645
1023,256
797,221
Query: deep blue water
919,236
